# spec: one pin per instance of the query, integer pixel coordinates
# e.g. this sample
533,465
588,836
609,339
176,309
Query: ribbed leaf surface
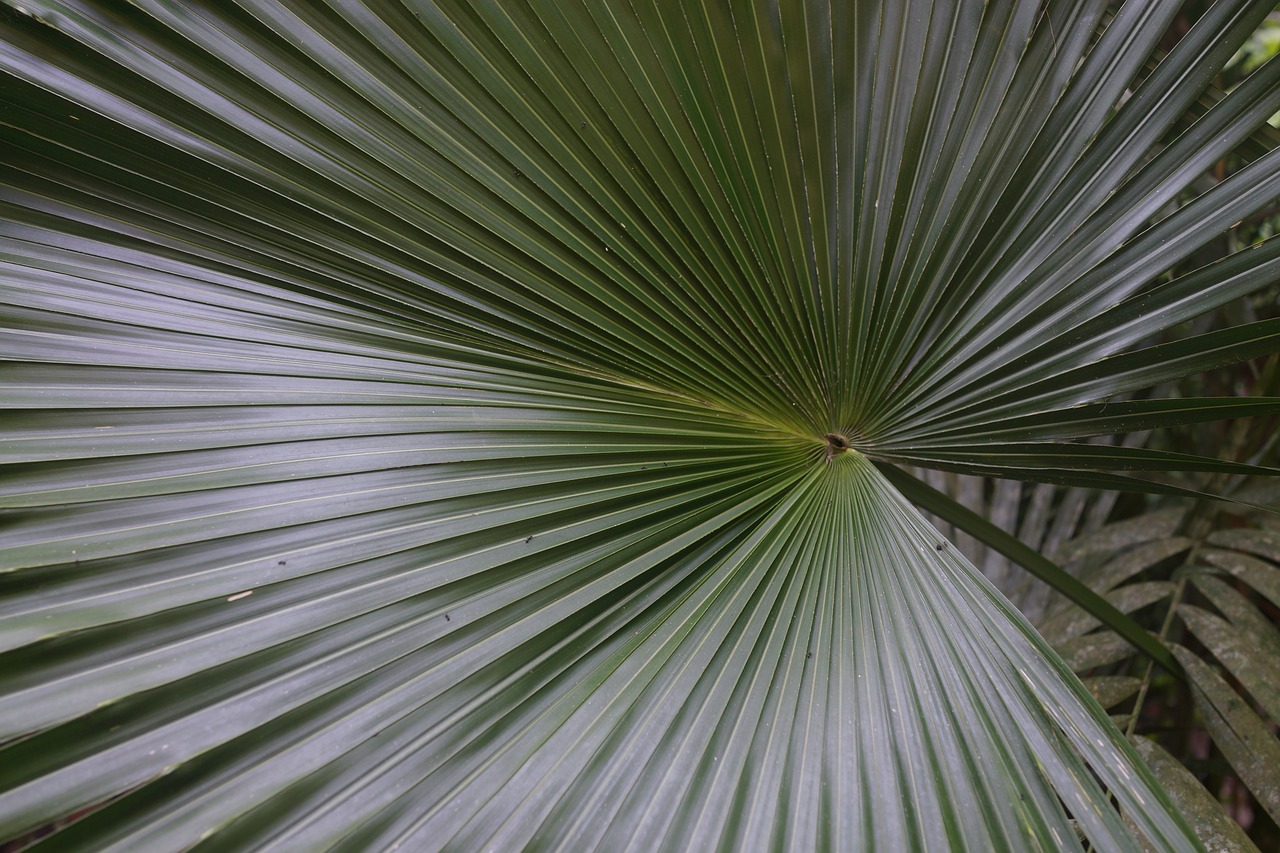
425,423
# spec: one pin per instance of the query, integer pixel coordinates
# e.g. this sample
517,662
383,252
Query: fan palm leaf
451,425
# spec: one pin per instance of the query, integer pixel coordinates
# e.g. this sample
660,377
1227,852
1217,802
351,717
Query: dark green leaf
1043,568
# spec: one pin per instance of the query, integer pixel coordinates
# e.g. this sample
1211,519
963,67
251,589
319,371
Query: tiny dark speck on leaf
583,126
446,618
808,655
527,541
941,546
281,563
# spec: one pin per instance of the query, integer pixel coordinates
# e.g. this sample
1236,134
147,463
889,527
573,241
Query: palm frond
443,424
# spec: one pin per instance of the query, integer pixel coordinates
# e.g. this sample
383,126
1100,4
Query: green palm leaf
419,416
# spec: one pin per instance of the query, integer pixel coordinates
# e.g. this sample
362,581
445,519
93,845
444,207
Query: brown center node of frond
836,444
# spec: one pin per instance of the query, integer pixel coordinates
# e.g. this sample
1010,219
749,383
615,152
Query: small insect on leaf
528,540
